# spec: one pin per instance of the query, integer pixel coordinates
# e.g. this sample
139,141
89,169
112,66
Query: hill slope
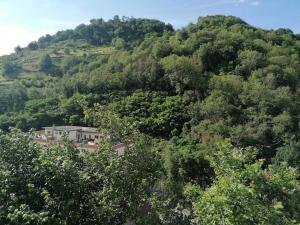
219,77
210,112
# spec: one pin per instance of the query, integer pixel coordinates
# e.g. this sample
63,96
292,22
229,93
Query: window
96,136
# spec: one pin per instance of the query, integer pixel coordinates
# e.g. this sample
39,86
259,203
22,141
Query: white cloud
56,25
250,2
227,2
219,3
255,3
13,36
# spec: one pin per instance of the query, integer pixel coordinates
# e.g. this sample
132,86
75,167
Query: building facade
73,133
85,138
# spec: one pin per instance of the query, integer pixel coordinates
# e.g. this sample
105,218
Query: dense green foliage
47,66
11,70
195,93
243,193
99,32
59,185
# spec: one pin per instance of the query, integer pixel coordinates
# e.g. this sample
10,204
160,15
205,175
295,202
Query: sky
23,21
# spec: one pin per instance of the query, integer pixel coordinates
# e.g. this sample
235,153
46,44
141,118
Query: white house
85,138
72,133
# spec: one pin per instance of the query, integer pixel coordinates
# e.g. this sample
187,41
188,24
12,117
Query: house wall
73,135
120,149
89,135
58,134
48,132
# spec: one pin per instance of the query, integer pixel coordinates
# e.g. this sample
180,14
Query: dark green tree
47,66
11,70
244,193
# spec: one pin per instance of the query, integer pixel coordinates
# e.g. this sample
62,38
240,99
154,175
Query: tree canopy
209,112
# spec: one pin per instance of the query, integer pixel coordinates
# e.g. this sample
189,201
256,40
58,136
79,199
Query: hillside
218,80
221,67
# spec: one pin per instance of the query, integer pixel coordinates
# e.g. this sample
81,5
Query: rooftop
71,128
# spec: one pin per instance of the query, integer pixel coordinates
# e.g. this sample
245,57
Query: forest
210,115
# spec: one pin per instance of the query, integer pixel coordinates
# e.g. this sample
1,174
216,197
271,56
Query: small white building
85,138
73,133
